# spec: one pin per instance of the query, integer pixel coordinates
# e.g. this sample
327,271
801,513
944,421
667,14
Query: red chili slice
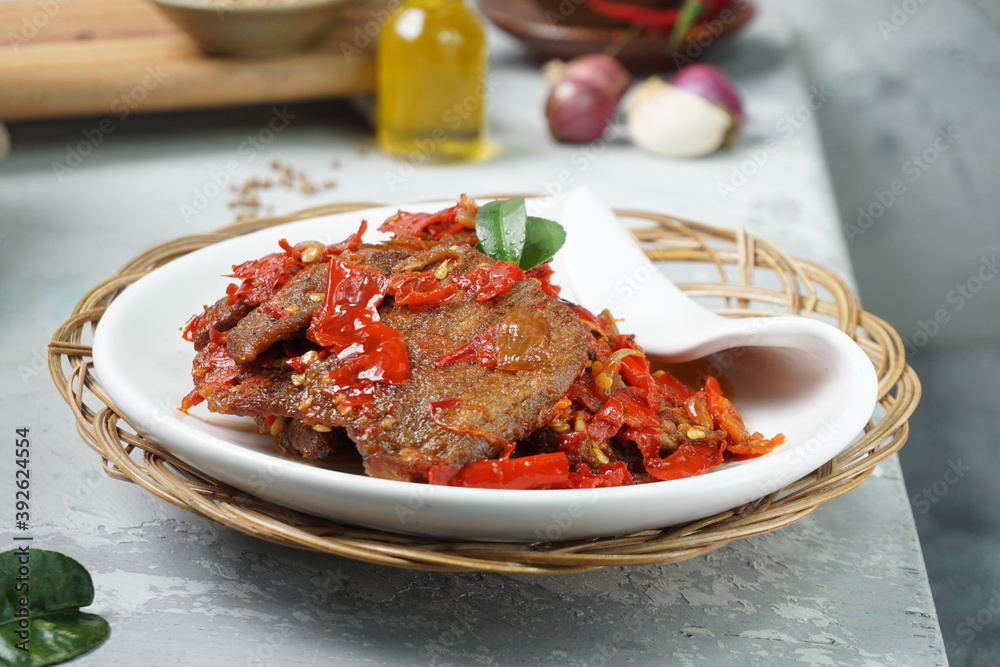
197,323
481,349
490,281
724,414
541,471
350,243
675,390
649,17
435,225
438,406
261,278
687,460
626,406
612,474
420,291
543,274
348,323
216,369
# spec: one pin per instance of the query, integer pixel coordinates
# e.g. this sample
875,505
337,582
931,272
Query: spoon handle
602,267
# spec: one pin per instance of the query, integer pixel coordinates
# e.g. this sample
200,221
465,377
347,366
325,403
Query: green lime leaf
54,638
543,239
51,580
500,226
41,593
507,233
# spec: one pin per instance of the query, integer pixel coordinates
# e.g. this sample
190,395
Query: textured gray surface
950,465
844,586
905,74
903,71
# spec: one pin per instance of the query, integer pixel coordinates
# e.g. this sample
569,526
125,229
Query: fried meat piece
299,438
445,413
465,411
222,316
270,387
282,317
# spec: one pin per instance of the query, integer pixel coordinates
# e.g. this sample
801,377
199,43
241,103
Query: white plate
144,364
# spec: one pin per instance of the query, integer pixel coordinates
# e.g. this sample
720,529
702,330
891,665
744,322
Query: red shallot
584,97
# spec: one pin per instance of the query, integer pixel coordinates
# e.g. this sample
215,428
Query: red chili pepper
570,443
626,406
350,243
583,392
673,389
348,322
756,446
214,336
490,281
543,274
435,225
438,406
192,399
276,311
480,349
724,414
296,363
216,369
420,291
635,368
261,278
353,294
612,474
290,249
687,460
197,323
541,471
647,17
377,353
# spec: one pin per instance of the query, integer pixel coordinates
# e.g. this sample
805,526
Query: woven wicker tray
802,289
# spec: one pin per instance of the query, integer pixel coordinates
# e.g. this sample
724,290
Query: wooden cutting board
75,58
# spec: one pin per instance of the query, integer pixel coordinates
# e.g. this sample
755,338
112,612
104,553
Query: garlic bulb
712,84
673,121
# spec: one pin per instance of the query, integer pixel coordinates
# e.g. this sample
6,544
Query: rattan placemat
752,277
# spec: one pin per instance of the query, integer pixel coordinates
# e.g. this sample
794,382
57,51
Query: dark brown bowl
549,32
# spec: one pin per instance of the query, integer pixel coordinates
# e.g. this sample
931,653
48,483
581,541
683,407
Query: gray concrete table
846,586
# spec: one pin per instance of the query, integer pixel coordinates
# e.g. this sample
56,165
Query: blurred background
904,75
909,127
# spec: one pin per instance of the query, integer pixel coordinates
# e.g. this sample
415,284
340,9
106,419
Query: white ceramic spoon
603,264
785,370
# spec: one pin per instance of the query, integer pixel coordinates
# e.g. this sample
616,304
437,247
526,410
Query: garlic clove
673,122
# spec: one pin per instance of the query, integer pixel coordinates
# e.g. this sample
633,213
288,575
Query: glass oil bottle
431,83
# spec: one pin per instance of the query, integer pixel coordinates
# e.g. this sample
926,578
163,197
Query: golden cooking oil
432,82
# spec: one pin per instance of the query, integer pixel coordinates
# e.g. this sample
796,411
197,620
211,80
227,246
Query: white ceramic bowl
251,28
